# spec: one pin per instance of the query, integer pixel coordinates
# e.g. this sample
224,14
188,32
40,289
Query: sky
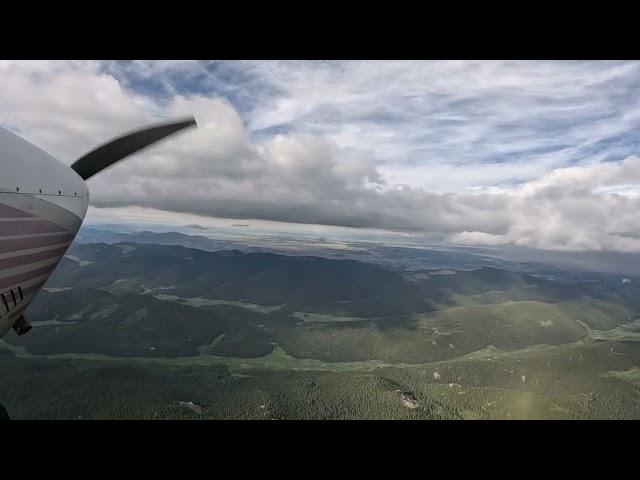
543,155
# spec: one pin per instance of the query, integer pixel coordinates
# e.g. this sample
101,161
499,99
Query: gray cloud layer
482,152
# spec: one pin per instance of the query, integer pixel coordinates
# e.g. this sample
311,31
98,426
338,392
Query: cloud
564,211
482,153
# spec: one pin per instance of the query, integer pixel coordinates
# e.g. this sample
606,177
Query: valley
261,335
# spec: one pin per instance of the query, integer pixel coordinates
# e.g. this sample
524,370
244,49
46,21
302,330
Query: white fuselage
42,205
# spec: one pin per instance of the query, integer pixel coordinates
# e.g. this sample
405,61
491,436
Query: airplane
43,203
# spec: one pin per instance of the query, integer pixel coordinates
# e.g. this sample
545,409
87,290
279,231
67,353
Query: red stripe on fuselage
19,260
16,244
23,277
10,212
28,227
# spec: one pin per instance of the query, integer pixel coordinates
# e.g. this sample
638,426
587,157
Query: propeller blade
117,149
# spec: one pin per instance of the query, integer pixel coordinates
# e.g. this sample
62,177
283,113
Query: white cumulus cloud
483,153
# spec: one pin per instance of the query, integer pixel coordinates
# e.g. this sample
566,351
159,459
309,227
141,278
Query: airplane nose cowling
28,170
42,205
